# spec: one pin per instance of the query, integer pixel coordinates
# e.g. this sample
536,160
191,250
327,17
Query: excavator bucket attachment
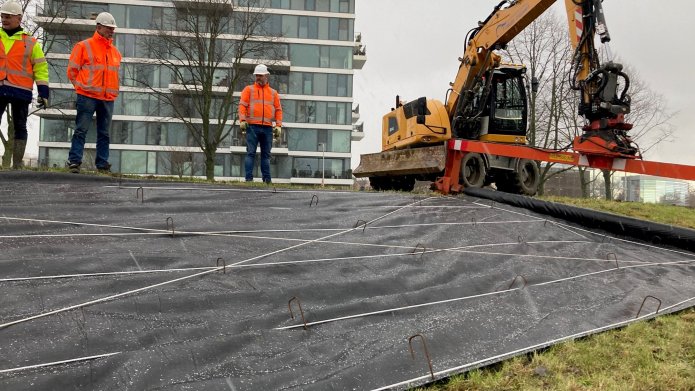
425,160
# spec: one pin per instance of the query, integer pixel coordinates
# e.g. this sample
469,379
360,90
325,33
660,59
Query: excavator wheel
523,180
473,170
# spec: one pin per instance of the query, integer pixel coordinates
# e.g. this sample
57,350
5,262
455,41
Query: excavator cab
499,107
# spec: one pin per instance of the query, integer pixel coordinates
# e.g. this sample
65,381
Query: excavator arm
505,22
601,105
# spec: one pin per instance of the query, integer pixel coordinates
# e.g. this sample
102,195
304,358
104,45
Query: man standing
22,65
258,108
93,71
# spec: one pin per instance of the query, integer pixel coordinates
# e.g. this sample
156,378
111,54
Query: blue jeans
86,107
258,134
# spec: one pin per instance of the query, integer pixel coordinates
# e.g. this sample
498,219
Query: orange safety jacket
260,106
93,68
17,65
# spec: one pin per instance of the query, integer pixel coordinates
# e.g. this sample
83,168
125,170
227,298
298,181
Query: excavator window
508,104
416,107
393,125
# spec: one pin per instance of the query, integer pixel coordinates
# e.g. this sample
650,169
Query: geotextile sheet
111,284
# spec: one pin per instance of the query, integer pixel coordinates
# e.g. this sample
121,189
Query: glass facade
316,90
640,188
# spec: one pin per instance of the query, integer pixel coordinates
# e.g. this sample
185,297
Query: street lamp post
323,162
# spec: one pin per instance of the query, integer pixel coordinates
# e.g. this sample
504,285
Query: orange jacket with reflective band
17,65
93,68
260,105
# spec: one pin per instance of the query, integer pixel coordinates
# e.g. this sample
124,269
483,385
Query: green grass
653,355
665,214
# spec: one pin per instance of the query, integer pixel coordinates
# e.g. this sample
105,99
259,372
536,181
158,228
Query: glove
41,103
242,126
277,132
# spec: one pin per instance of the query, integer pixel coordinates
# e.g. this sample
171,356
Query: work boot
18,154
73,167
104,170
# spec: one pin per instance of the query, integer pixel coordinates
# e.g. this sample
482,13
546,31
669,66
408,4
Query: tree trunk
210,165
583,182
607,184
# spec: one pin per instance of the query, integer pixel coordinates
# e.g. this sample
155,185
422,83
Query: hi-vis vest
17,66
93,68
260,106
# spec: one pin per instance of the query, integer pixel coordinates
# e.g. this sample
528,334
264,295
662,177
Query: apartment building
314,78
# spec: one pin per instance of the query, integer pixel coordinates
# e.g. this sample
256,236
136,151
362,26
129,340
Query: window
341,57
139,17
343,30
297,4
290,26
133,162
323,5
308,82
119,14
306,167
155,135
302,139
320,84
308,27
56,129
339,140
304,55
323,28
57,71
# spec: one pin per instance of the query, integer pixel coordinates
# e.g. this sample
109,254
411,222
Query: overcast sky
413,47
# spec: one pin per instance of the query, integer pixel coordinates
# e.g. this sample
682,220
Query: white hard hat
261,70
106,19
11,8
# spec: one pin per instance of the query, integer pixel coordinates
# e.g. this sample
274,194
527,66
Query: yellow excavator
487,102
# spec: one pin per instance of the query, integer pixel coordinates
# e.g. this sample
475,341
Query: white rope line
108,298
428,304
269,189
201,268
49,364
320,260
491,359
159,232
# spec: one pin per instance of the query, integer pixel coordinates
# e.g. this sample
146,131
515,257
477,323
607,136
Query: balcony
357,132
359,53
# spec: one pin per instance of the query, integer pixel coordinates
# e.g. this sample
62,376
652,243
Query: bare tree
202,45
178,161
545,50
553,121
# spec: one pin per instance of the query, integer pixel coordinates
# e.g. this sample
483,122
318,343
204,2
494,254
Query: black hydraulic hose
655,233
627,86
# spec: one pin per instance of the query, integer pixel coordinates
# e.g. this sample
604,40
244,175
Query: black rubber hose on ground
657,234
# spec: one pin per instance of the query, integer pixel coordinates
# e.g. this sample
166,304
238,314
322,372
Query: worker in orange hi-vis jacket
22,65
93,71
259,107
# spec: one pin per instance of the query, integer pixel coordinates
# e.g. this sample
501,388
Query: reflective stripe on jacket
22,63
260,106
93,68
